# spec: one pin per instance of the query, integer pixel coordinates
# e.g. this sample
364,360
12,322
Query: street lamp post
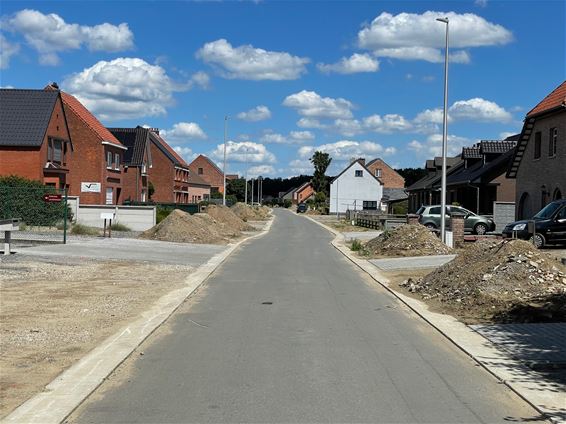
224,170
444,140
246,179
252,202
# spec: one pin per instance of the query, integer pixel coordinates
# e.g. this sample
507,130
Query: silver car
429,216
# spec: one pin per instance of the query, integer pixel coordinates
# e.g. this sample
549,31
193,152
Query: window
109,160
537,145
200,171
435,211
359,173
109,194
562,214
552,142
378,172
55,151
144,171
117,161
369,205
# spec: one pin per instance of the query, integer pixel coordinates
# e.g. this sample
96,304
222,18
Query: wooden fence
376,219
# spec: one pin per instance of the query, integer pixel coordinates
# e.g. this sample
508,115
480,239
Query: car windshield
547,211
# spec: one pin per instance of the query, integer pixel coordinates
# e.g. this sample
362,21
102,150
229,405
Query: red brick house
387,175
199,189
303,193
169,173
96,173
137,162
35,141
208,171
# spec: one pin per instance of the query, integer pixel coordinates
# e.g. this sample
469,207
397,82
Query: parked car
429,216
550,226
302,208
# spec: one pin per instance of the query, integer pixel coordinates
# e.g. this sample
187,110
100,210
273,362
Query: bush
120,227
356,245
84,230
162,213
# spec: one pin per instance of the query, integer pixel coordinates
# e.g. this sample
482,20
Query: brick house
96,173
137,162
199,189
35,141
208,171
303,193
387,175
539,161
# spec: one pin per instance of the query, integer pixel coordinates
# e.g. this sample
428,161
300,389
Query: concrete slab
539,345
412,262
129,249
361,235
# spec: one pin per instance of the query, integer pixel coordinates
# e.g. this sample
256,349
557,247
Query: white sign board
90,187
107,215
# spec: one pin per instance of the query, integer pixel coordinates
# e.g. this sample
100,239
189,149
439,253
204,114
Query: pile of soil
226,216
181,227
407,240
504,281
251,213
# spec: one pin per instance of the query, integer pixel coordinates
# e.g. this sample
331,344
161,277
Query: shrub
84,230
356,245
162,213
119,227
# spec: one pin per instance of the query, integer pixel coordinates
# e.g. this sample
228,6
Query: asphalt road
288,330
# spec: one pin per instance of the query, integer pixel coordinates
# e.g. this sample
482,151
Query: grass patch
162,213
356,245
84,230
120,227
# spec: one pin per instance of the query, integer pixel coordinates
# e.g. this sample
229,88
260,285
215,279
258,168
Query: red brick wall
210,173
505,189
161,175
389,177
305,193
196,194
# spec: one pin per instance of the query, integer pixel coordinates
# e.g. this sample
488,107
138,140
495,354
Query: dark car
302,208
429,216
550,226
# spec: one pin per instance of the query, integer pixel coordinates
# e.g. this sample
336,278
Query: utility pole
259,183
224,170
444,140
252,202
246,179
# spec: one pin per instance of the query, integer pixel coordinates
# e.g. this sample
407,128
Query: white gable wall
350,192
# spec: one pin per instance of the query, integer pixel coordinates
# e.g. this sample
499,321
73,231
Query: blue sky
353,78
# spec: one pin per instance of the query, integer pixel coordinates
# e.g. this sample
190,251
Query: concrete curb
518,377
67,391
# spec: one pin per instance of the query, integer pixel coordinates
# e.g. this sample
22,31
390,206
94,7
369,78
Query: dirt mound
251,213
407,240
499,280
181,227
226,216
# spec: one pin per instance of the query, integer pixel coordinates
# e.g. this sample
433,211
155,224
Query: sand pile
251,213
182,227
499,278
407,240
226,216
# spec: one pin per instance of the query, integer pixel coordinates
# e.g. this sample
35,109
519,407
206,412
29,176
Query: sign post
107,216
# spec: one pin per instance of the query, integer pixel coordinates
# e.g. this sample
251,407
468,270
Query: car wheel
538,240
430,226
480,229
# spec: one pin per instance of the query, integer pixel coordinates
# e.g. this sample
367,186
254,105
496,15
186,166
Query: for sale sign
52,198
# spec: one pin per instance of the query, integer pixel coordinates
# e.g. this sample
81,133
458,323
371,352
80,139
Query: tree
237,188
321,162
411,175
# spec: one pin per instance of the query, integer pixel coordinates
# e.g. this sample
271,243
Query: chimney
52,86
362,161
155,130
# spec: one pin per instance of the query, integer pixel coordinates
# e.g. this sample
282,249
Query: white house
355,188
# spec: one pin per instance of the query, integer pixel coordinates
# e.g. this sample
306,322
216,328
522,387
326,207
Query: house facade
355,188
199,190
387,175
137,162
35,141
207,170
95,175
539,161
303,193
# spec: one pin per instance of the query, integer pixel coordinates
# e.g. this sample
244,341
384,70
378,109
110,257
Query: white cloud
478,109
258,113
7,50
420,37
432,146
351,65
294,137
312,105
261,170
480,3
506,134
387,123
244,151
347,149
248,62
184,131
200,79
123,88
50,34
301,166
348,127
185,152
310,123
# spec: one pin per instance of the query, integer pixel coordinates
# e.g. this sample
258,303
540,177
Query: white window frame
117,161
358,173
109,199
378,172
108,160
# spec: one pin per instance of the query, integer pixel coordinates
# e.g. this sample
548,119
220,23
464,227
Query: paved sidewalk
361,235
412,262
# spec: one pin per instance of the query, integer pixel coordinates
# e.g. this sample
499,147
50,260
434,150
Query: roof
471,153
167,149
25,115
495,146
88,118
556,99
481,172
371,162
209,161
433,177
393,195
303,186
136,140
194,179
360,161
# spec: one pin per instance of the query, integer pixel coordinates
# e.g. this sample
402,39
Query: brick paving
412,262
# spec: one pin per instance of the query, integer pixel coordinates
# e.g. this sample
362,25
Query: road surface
288,330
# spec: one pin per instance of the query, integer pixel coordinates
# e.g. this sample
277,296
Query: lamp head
445,20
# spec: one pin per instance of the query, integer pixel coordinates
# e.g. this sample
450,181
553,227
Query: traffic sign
52,198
